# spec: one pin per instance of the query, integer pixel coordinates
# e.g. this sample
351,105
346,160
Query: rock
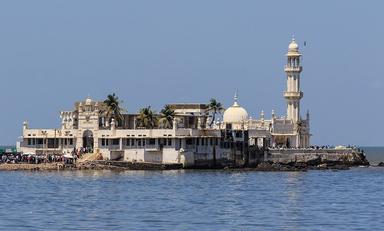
264,166
322,165
381,164
268,166
314,161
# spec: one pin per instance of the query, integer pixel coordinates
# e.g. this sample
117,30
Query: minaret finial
235,98
293,37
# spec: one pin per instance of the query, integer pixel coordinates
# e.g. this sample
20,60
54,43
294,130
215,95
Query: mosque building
189,139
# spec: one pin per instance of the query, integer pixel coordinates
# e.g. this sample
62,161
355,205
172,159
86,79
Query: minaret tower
293,93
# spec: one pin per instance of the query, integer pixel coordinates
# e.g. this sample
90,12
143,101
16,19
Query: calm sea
193,200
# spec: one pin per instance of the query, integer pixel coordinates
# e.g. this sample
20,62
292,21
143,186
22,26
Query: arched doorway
88,140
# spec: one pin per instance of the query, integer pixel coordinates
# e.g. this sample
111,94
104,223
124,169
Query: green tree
166,117
146,118
214,107
111,108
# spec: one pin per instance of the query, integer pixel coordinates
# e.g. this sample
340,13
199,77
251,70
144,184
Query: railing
290,68
293,94
137,133
285,151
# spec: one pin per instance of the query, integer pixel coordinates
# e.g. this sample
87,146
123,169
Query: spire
235,98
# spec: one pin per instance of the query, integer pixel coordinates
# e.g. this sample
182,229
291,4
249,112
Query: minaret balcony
293,94
293,69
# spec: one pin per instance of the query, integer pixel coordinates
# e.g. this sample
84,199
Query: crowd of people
325,147
26,158
81,151
30,158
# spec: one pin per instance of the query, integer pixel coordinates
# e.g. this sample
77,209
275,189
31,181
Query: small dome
88,101
293,46
235,113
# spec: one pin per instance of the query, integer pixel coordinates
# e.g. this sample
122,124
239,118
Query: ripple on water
192,200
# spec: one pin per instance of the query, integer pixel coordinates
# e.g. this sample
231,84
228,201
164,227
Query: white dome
235,113
88,101
293,46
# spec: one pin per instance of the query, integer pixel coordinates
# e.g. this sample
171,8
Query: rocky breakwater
90,165
125,165
303,159
36,167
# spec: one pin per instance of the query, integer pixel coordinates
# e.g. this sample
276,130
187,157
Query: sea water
193,200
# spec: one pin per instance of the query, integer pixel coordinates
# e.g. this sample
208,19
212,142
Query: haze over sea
194,200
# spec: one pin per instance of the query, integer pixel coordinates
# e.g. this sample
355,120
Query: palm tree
167,114
147,118
111,108
214,107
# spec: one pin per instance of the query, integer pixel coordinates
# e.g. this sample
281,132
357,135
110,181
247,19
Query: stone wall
347,157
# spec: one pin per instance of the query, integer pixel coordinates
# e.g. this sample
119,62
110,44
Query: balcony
293,69
293,94
138,133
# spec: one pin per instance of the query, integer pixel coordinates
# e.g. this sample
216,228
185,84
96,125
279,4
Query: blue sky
53,53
